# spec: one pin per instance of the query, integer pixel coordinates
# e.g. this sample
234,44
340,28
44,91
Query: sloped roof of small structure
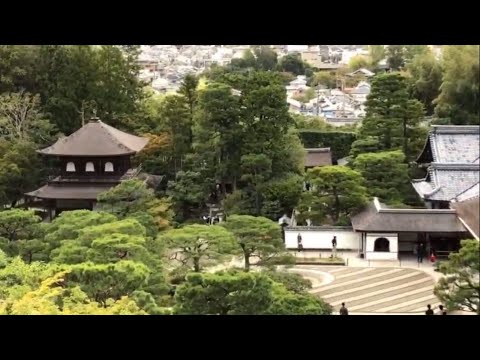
377,217
365,72
96,139
469,213
318,157
69,192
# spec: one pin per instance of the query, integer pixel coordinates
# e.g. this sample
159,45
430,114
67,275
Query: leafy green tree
240,293
395,56
292,63
413,51
265,58
18,224
293,282
121,88
117,247
368,144
385,174
288,303
176,121
69,224
113,241
337,191
67,77
326,79
52,297
192,244
460,288
190,192
18,278
358,62
391,115
281,195
257,236
132,198
376,53
218,135
16,67
255,169
459,92
224,293
189,89
20,170
112,280
73,81
426,78
20,118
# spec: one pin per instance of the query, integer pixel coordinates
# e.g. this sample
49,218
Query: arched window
89,167
108,167
381,244
70,167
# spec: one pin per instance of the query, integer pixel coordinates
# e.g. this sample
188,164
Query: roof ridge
455,166
107,128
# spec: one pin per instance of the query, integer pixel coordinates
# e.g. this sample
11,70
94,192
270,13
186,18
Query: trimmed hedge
319,261
339,142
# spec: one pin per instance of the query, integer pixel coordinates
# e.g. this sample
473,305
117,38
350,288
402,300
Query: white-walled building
382,233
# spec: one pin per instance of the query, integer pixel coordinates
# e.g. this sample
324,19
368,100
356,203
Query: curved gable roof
96,139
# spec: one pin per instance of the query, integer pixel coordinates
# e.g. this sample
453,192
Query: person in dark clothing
343,310
334,247
429,310
299,243
420,252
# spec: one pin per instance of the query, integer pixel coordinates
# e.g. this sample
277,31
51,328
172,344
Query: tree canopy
460,288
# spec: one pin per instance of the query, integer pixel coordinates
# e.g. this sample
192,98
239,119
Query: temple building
92,160
450,190
451,158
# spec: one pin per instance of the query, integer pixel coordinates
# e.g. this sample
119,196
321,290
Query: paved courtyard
385,290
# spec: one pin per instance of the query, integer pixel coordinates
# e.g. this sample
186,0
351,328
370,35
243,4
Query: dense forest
240,151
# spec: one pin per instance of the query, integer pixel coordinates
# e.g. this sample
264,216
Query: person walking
420,252
343,310
429,310
299,243
334,247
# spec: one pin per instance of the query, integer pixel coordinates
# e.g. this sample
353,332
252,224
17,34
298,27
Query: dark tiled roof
447,181
69,192
96,139
453,152
318,157
453,144
377,218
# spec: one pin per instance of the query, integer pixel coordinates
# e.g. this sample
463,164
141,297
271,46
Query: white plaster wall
322,239
380,255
